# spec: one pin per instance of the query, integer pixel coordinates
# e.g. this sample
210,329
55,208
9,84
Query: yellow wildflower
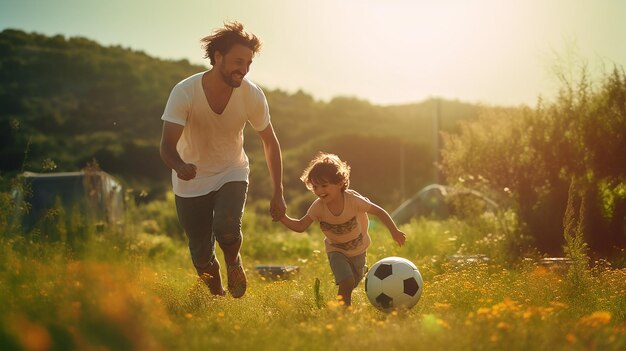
483,311
596,319
503,326
442,306
332,304
558,304
442,323
571,338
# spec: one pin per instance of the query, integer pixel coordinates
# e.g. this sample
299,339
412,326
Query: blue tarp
96,195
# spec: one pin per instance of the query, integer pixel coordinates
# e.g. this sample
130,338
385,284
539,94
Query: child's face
326,191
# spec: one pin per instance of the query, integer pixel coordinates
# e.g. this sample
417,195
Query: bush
526,157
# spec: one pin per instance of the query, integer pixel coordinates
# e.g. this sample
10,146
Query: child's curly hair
326,168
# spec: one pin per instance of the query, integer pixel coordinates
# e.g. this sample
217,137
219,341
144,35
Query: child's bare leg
345,290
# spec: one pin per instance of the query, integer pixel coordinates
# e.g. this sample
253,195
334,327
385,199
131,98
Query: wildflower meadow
134,288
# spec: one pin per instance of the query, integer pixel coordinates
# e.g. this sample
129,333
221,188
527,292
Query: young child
342,214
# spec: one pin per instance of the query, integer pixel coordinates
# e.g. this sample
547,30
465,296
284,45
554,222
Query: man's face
235,64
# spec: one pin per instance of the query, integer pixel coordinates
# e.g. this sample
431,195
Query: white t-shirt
212,142
346,233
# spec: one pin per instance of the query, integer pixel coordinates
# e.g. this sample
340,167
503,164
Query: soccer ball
393,282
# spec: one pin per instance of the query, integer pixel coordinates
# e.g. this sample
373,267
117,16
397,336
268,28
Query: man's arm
274,161
169,138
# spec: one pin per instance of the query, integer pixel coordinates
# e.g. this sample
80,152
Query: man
202,142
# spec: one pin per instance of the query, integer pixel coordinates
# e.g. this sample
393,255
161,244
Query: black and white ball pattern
394,282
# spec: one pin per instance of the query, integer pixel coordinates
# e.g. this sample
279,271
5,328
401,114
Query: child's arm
297,225
379,212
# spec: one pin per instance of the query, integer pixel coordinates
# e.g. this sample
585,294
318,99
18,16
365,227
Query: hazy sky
384,51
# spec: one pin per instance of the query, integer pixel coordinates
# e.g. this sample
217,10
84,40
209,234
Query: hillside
69,100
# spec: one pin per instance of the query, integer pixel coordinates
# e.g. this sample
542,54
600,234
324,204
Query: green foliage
496,237
159,217
611,196
525,159
316,291
10,207
74,100
378,169
574,234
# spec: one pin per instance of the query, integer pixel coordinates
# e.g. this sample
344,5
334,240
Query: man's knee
229,239
227,229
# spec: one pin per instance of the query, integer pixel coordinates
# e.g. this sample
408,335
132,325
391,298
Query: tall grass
134,290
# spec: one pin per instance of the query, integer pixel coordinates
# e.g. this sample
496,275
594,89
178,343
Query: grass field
132,290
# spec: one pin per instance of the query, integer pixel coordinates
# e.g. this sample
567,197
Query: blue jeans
214,216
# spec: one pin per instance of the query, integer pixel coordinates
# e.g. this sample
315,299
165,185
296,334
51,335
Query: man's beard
228,78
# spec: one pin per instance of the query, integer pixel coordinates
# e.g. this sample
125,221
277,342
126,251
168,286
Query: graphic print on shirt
344,228
341,228
350,245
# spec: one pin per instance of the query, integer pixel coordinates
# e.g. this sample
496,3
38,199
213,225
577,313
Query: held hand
399,237
186,171
278,207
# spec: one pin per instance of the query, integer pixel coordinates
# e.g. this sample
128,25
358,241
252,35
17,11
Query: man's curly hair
223,39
